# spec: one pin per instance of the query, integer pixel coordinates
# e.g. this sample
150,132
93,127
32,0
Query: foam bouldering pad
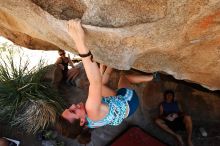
136,137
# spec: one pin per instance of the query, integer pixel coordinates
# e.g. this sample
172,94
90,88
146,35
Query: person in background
8,142
4,142
172,118
68,74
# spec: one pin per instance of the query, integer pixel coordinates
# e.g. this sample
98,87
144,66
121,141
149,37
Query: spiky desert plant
39,112
26,100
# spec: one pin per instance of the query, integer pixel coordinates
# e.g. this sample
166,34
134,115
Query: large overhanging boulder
179,37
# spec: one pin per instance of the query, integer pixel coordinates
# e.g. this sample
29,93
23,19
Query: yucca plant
26,101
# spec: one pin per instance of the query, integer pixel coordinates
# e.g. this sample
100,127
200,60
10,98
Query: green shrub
26,101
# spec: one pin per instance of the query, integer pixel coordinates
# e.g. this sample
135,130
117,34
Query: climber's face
76,111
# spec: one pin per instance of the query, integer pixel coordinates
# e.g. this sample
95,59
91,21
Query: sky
35,55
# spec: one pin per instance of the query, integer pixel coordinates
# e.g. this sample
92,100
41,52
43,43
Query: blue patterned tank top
118,106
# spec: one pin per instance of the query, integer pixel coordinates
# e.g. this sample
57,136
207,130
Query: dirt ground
213,138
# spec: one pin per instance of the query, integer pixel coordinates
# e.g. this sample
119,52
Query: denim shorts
130,97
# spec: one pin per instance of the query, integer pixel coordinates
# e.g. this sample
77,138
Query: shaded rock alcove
203,105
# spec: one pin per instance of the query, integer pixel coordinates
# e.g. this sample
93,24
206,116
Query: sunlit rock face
181,38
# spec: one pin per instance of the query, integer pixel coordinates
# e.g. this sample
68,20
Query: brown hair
73,130
168,92
60,50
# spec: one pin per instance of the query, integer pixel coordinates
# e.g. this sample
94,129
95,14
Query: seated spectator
68,74
172,118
